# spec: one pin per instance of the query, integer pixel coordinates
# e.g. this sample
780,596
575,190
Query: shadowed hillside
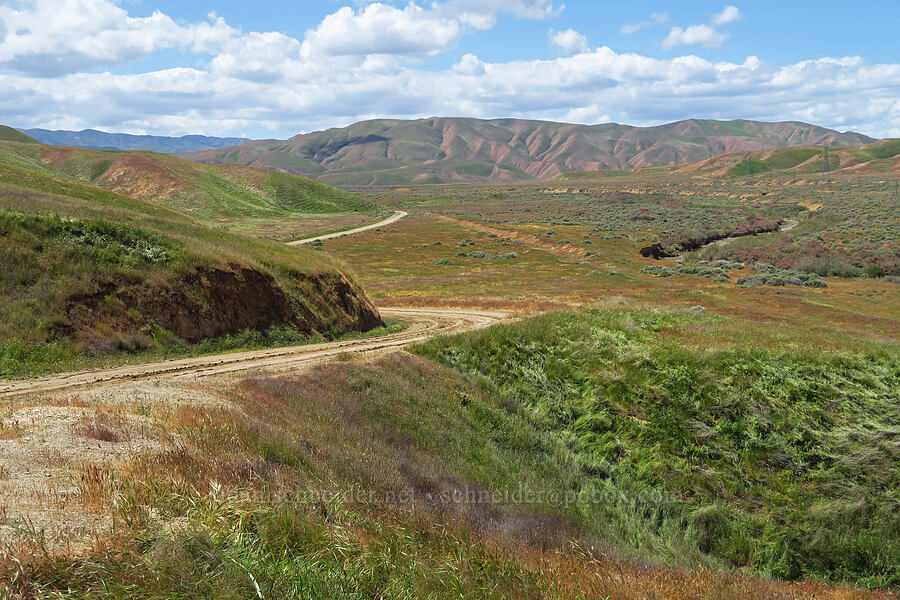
387,152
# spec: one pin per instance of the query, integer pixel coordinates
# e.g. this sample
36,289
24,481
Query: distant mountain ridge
101,140
396,152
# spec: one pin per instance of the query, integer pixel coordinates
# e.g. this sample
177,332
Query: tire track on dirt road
398,214
564,251
422,324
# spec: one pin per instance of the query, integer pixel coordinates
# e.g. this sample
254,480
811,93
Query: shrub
826,266
445,262
874,271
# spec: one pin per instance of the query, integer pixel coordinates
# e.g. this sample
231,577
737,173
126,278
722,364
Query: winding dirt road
422,324
398,214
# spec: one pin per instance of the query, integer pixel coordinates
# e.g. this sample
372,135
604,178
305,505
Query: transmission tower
825,163
749,165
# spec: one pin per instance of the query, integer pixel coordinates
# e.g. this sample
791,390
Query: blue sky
274,69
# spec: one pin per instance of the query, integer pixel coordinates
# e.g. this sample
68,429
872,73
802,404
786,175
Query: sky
273,69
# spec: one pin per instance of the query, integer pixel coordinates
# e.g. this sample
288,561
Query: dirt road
398,214
422,324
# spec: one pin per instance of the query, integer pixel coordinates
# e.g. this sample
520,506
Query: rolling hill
90,273
881,157
391,152
91,138
8,134
205,192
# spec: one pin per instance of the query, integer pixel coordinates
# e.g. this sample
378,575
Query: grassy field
617,452
580,243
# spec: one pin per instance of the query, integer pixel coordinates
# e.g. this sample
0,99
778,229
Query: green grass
782,159
882,150
782,461
8,134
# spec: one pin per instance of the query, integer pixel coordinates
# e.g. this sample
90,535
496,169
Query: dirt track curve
422,324
398,214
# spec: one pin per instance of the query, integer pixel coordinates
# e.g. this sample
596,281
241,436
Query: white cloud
657,18
383,29
595,86
587,115
729,14
568,41
703,35
469,65
483,14
53,37
257,57
273,85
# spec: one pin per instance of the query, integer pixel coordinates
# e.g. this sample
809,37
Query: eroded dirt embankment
213,301
658,250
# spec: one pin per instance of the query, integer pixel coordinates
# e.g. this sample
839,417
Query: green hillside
879,157
205,192
91,276
782,461
8,134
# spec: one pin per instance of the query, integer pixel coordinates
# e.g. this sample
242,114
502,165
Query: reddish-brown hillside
385,152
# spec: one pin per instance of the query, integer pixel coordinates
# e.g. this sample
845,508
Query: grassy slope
8,134
537,451
882,156
63,240
783,461
205,192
